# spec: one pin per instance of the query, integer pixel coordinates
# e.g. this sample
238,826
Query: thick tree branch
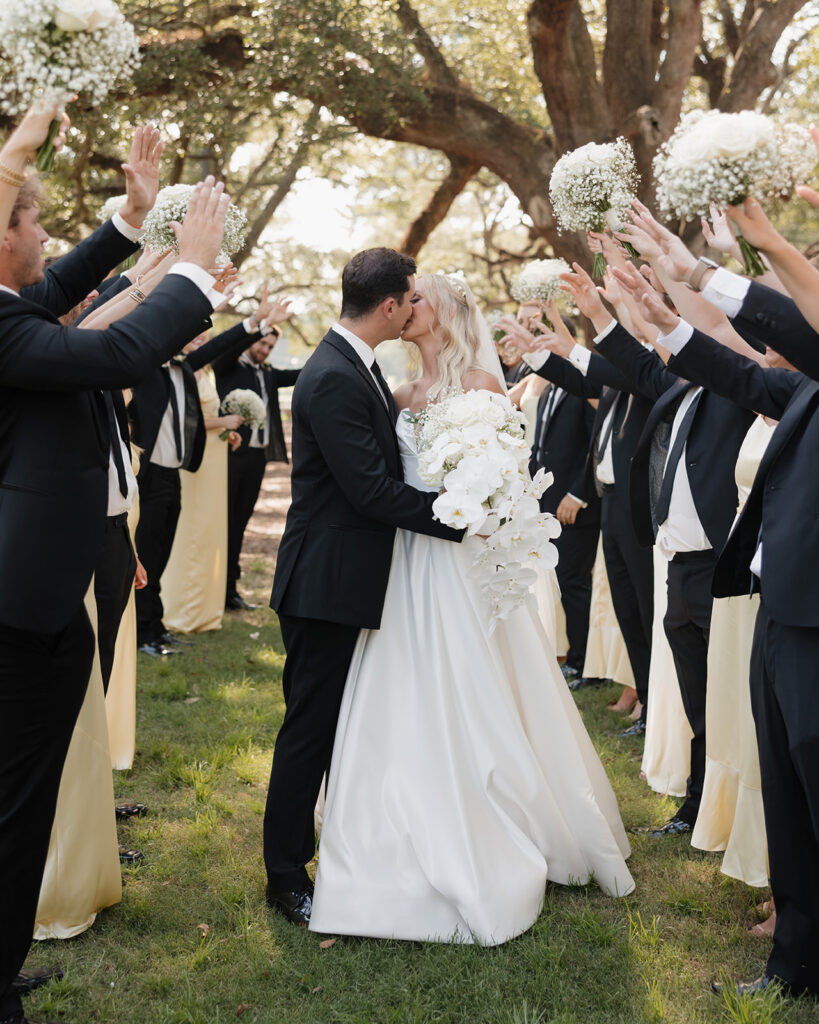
628,68
683,33
460,172
439,70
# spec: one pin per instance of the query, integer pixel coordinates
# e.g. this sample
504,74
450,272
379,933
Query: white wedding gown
462,777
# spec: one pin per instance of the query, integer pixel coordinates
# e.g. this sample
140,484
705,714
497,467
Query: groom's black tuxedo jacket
781,509
54,432
151,397
348,494
717,432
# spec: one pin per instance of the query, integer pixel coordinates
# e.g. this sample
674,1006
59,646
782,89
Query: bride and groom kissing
459,774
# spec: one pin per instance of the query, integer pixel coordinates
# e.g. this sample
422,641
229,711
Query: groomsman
683,499
169,428
563,433
56,451
249,370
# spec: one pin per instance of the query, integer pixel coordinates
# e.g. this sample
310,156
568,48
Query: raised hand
227,288
719,235
644,244
141,175
199,236
517,335
584,292
22,145
649,302
754,226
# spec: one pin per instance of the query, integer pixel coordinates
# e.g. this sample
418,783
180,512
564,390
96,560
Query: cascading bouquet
172,205
471,445
52,49
720,158
539,281
247,404
593,187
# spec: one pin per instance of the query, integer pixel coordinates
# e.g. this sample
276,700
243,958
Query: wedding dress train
462,777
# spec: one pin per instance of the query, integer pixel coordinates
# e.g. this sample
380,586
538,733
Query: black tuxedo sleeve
578,486
642,367
285,378
344,433
231,342
725,372
118,285
70,278
604,374
770,318
38,355
567,376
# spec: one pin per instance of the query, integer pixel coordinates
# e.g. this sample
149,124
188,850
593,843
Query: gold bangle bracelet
11,177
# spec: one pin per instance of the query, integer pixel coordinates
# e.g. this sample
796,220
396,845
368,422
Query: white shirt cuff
248,326
201,278
676,340
606,331
124,228
536,359
580,502
726,291
580,357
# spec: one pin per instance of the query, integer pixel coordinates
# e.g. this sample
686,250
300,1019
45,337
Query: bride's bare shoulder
481,380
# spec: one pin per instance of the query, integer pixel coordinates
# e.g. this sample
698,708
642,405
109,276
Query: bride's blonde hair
455,312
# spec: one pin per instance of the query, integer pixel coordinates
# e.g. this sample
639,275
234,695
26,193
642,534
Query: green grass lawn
193,943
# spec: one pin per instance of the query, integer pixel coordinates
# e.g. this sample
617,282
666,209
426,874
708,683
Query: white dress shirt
164,450
117,501
363,351
682,530
726,291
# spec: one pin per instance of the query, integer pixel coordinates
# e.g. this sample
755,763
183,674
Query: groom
348,497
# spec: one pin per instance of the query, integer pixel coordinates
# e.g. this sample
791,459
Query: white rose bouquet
172,205
51,49
593,187
720,158
472,446
539,281
247,404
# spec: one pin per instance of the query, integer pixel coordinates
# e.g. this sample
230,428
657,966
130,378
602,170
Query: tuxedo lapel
342,346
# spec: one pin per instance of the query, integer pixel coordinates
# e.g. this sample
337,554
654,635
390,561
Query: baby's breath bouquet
720,158
110,207
247,404
51,49
593,187
172,205
539,281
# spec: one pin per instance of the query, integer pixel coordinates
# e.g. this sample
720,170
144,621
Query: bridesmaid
606,655
193,584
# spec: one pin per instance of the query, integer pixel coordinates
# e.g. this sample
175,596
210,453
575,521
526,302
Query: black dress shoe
296,905
581,682
675,827
127,856
751,988
168,639
33,977
125,811
156,649
236,603
638,729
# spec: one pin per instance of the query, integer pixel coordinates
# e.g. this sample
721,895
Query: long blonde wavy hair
461,327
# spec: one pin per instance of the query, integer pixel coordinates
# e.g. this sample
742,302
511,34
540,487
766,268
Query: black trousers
159,506
630,569
113,579
245,473
43,679
577,547
785,702
318,658
687,625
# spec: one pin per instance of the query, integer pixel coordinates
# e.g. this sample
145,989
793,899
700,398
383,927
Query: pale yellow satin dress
731,816
667,751
82,873
120,701
194,581
547,589
606,654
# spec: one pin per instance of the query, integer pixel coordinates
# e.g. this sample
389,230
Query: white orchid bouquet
539,281
247,404
172,205
720,158
52,49
471,446
593,187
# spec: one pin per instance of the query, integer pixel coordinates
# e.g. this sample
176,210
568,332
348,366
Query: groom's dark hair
372,276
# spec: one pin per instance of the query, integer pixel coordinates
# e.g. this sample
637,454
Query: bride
463,779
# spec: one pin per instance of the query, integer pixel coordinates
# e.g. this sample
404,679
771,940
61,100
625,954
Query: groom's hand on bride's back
199,236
